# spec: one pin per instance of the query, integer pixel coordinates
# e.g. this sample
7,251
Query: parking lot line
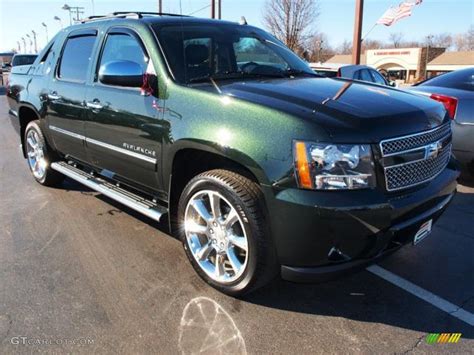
425,295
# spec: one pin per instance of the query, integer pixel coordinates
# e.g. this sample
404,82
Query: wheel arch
200,156
26,114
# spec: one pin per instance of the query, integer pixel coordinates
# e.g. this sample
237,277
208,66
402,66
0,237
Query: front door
66,111
123,129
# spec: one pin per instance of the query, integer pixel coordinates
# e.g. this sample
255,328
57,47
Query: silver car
456,91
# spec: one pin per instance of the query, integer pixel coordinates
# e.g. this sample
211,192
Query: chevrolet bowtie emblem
433,150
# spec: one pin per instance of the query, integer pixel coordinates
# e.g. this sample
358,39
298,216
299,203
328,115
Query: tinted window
44,65
460,79
377,77
123,47
23,60
194,52
76,57
364,75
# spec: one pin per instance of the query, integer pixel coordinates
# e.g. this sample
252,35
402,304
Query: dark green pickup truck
261,167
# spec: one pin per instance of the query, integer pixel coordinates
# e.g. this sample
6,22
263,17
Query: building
409,65
6,57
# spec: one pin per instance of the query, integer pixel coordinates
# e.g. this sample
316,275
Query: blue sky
18,17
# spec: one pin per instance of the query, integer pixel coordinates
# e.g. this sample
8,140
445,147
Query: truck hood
349,111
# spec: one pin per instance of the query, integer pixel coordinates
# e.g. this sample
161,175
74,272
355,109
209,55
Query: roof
151,17
454,58
345,59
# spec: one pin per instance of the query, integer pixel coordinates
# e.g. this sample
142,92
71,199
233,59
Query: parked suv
260,166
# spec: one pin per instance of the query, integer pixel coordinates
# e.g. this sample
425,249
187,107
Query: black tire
246,196
50,176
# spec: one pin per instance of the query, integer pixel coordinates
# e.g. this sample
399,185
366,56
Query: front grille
414,173
396,145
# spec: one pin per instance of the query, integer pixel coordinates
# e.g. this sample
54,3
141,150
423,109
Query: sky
336,20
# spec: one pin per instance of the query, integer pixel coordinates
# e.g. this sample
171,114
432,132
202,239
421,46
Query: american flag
394,14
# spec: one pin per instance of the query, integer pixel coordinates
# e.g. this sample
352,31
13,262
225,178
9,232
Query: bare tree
442,40
291,21
396,39
464,41
345,47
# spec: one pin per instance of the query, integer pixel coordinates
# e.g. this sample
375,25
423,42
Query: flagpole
371,29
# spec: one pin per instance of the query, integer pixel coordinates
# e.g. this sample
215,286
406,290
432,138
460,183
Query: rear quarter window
75,58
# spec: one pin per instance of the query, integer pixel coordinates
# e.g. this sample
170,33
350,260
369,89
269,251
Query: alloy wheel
216,236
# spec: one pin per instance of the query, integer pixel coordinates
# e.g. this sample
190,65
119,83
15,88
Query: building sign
392,52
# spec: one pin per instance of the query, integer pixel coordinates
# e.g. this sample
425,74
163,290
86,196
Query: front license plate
423,232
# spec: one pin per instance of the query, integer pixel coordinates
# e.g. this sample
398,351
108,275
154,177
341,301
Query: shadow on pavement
361,296
3,90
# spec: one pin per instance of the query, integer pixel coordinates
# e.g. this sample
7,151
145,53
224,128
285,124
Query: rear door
66,109
123,129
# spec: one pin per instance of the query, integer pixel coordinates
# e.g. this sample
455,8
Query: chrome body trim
105,145
67,133
121,150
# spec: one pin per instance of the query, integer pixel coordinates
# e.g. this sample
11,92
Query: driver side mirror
121,73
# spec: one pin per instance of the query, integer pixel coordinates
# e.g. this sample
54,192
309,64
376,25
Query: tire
39,156
213,241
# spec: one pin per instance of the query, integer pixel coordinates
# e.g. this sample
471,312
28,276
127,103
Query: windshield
196,53
23,60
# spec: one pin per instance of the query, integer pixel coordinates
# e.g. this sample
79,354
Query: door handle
53,95
95,105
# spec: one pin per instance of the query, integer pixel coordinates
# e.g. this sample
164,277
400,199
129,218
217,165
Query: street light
68,8
31,42
34,39
77,9
24,44
60,21
19,47
46,29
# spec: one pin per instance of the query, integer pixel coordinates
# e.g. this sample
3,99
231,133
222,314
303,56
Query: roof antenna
243,20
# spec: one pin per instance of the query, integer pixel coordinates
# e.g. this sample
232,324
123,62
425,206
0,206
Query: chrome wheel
216,236
36,154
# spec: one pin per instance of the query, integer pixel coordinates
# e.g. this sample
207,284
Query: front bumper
321,234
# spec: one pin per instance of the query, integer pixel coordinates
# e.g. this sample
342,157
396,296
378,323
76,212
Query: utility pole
219,9
160,6
357,42
213,8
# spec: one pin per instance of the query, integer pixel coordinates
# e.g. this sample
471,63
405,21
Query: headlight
333,167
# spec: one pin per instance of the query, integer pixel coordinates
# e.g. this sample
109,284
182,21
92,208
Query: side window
378,78
123,47
364,75
75,58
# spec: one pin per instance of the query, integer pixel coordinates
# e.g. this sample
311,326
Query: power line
202,8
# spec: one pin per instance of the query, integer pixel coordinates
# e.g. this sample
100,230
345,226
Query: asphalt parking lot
80,273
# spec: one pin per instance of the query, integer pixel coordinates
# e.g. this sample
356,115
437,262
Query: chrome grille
414,173
397,145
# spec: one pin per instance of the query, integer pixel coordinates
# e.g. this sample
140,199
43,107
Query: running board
127,198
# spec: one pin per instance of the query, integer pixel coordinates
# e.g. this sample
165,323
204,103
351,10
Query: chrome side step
129,199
